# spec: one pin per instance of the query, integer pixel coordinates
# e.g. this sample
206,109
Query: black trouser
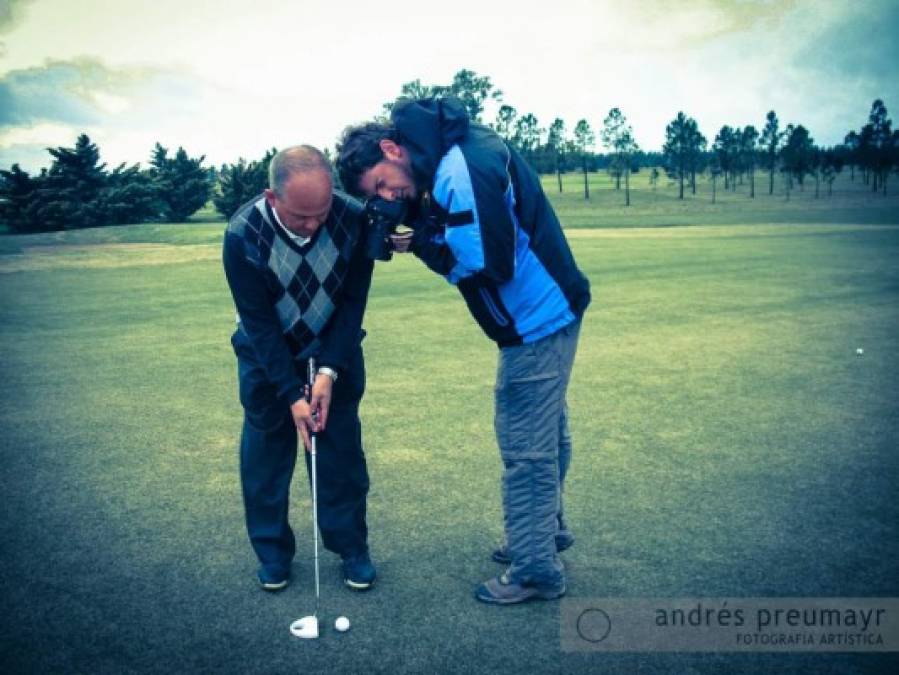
268,452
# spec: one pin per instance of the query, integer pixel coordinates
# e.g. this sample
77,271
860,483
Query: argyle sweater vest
304,282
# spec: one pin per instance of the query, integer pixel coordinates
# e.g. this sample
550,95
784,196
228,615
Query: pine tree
831,165
769,142
68,197
682,150
504,124
16,199
583,141
240,182
618,137
696,145
131,196
725,148
850,152
798,153
183,183
555,143
526,138
714,172
471,89
748,154
881,145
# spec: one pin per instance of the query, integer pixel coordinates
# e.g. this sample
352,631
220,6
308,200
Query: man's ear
269,196
391,150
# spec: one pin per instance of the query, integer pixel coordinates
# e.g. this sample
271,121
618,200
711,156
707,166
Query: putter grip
310,377
310,374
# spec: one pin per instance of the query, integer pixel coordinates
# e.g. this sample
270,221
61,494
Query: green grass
851,202
728,442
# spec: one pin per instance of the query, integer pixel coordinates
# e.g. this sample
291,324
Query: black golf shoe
272,582
358,572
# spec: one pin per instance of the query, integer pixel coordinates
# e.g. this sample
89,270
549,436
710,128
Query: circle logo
594,625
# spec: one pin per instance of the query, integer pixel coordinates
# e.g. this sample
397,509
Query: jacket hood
428,128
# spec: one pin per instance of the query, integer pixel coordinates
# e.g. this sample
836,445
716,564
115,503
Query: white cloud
110,103
39,134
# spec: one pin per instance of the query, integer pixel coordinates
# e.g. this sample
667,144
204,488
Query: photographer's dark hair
359,150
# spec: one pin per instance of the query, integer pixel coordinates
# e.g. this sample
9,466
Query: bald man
294,261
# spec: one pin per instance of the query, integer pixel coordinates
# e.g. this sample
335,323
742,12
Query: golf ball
859,351
342,624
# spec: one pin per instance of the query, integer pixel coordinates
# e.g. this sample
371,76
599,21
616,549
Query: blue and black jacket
486,225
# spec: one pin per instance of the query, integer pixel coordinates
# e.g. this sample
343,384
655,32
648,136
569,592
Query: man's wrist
330,372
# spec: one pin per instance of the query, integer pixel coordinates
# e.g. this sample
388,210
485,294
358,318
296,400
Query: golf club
307,627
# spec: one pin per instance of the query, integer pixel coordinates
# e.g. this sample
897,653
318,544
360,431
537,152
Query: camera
383,218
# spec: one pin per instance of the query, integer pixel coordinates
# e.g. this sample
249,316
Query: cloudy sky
230,78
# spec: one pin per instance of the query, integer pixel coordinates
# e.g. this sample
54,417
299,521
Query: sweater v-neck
286,236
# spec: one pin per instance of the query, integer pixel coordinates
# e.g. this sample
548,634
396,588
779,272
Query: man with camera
294,260
480,218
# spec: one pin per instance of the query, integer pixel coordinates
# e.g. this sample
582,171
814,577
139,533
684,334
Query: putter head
306,628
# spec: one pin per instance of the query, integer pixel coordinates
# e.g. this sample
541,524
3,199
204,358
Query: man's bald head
300,188
293,160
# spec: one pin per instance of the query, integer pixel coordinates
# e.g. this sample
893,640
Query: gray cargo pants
532,431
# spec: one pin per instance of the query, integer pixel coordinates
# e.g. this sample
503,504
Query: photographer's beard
393,177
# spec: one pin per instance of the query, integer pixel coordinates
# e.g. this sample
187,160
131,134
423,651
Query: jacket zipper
492,308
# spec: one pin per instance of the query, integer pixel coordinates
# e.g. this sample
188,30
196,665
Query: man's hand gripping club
310,413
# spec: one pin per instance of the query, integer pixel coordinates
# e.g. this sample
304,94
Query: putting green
728,442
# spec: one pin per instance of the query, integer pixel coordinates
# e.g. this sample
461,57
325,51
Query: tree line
77,190
790,151
735,154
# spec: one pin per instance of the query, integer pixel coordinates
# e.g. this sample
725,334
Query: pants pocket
523,406
350,387
263,410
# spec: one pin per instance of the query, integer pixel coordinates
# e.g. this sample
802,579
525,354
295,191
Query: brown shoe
502,590
564,541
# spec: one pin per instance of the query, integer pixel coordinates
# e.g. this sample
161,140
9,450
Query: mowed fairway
728,439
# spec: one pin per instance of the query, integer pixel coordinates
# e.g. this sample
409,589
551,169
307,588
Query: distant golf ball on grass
859,351
342,624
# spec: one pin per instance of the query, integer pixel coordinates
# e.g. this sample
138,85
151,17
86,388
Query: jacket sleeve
429,246
259,321
480,229
345,332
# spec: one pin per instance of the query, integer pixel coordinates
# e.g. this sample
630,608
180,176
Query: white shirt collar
302,241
